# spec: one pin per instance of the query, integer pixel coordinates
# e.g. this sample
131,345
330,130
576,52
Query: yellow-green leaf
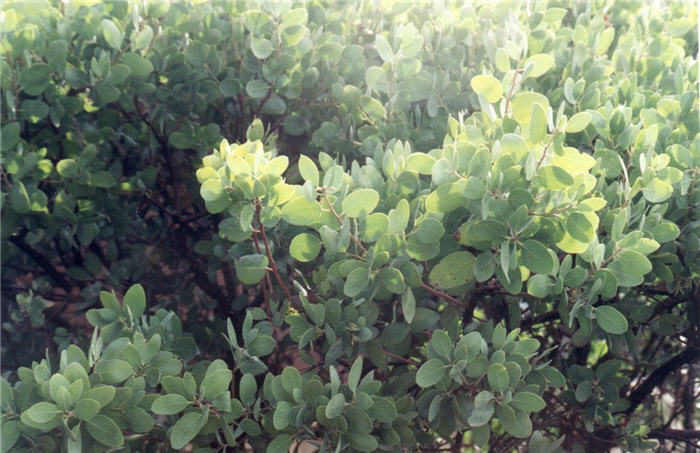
487,86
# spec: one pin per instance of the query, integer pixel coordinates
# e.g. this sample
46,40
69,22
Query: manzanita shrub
414,227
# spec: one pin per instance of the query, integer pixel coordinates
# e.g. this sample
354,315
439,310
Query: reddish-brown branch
161,139
687,436
153,243
273,264
512,88
688,402
244,119
340,221
262,103
401,359
546,147
456,302
57,276
268,291
543,318
659,375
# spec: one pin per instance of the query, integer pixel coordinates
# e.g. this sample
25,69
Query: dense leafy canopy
416,226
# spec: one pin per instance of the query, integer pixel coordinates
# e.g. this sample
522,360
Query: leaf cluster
411,229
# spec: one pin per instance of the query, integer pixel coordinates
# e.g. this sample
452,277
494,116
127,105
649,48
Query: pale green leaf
611,320
487,86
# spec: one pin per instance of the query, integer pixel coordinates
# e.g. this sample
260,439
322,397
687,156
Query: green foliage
409,228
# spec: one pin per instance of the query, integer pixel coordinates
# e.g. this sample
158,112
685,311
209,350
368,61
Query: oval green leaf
487,86
360,203
611,320
305,247
430,373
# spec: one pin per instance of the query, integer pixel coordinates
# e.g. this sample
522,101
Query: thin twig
399,358
262,103
456,302
544,151
268,291
273,264
340,221
512,88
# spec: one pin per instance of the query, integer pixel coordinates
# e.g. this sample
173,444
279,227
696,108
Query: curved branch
43,262
687,436
273,264
659,375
